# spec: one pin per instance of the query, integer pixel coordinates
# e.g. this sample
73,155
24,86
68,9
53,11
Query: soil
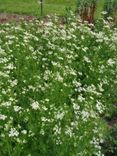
112,122
6,18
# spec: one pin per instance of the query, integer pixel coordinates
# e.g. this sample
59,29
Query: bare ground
5,18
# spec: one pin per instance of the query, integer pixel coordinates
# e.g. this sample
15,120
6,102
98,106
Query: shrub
55,85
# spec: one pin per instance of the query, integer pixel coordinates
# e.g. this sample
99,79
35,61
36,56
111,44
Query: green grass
31,7
99,8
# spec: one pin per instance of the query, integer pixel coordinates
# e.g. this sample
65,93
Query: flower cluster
56,82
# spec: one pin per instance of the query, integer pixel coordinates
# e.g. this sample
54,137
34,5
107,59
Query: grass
100,8
31,7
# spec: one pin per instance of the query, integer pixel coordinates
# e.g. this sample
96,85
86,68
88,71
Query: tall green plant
86,9
110,7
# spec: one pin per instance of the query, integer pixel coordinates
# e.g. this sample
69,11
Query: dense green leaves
56,83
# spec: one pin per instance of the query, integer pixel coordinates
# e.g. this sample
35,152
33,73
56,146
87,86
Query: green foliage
110,144
110,7
56,83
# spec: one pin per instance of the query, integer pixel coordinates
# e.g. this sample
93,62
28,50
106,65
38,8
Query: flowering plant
56,83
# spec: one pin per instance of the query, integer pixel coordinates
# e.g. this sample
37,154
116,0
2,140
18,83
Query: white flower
59,77
60,115
42,132
13,132
49,24
17,108
104,12
14,83
99,107
35,105
57,130
80,98
69,132
10,66
6,104
85,49
100,88
86,59
76,106
85,115
111,62
2,117
24,131
54,63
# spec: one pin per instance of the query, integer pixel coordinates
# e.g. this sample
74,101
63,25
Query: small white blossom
35,105
3,117
13,132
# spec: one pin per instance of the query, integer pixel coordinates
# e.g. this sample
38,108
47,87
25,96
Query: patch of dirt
112,122
6,18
